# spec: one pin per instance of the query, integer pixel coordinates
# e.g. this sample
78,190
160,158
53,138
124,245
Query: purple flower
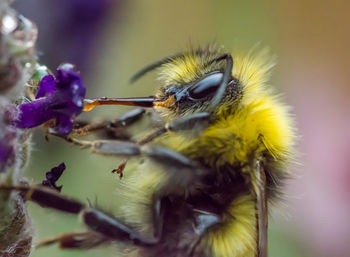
63,100
53,175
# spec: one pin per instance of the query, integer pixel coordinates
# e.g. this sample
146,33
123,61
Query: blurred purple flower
53,175
68,24
63,101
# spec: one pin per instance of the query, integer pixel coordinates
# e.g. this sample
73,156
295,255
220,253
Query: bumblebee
208,170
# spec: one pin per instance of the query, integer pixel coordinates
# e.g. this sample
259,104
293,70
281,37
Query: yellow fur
261,125
183,70
186,69
234,236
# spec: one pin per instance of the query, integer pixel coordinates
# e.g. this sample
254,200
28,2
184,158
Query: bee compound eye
206,86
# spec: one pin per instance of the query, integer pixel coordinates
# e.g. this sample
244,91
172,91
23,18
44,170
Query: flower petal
64,124
46,86
34,113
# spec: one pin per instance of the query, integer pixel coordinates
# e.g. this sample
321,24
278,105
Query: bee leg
129,149
113,229
179,167
185,123
47,197
160,154
181,170
189,121
84,240
169,157
96,220
127,119
158,216
197,120
261,206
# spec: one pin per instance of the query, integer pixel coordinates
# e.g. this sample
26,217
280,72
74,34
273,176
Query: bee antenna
153,66
225,79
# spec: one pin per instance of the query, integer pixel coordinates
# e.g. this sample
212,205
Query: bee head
199,81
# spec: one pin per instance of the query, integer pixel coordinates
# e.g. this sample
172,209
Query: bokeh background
110,40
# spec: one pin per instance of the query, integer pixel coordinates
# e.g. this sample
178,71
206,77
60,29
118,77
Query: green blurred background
110,40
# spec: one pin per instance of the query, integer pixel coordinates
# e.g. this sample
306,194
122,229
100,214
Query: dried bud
53,176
